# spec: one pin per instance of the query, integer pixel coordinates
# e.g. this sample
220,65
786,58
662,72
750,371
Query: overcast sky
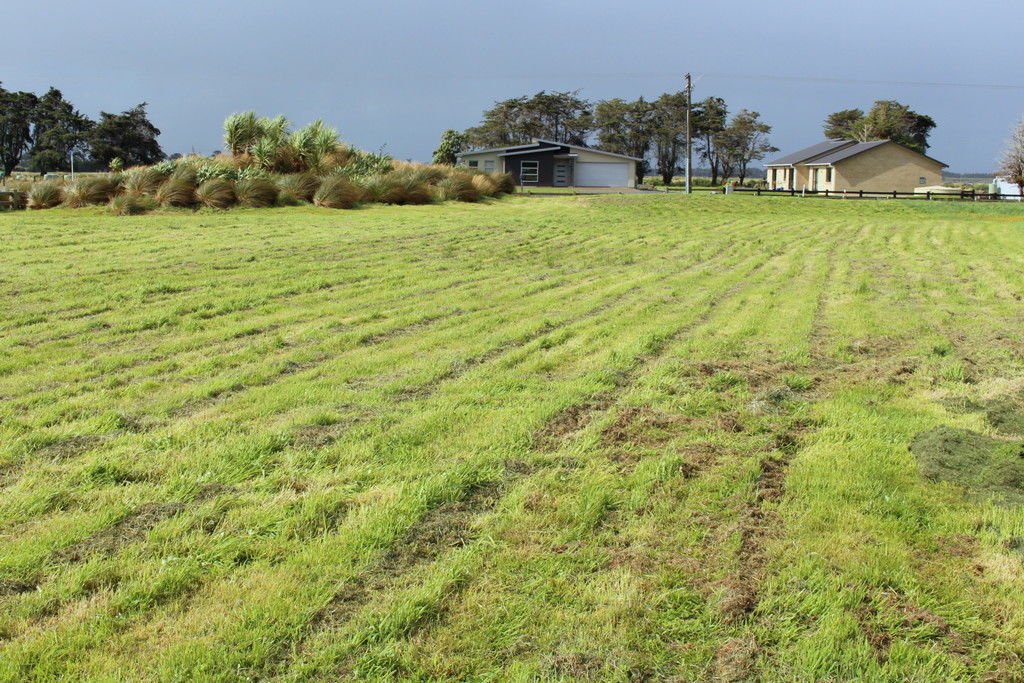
397,73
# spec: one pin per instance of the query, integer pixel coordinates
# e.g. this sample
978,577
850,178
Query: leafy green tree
626,128
708,119
560,117
452,144
16,112
745,139
129,135
669,133
58,130
886,120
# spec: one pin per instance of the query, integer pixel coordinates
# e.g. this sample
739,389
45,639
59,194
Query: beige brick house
846,165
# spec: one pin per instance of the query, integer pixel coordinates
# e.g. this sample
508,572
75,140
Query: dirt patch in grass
892,615
318,436
642,426
569,421
71,446
983,466
734,660
17,586
130,529
577,666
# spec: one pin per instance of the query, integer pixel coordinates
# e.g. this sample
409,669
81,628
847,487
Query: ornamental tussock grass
89,190
176,192
44,196
216,193
505,183
485,185
338,192
297,187
127,205
257,193
398,187
459,187
141,180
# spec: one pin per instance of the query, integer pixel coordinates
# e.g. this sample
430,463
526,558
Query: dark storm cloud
398,73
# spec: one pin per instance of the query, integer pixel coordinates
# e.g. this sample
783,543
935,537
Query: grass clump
216,193
505,183
399,187
176,192
88,190
44,196
257,193
459,187
128,205
338,192
485,185
297,187
142,180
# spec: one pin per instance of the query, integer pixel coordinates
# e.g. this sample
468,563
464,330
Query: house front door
563,174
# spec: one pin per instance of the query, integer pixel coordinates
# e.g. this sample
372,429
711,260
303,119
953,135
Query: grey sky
398,73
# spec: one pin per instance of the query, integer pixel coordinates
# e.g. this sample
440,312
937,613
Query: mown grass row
601,438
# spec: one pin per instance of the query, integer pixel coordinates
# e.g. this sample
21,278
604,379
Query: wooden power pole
689,133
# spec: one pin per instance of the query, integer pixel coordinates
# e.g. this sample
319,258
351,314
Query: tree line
653,131
42,132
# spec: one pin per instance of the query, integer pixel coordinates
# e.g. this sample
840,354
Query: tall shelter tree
626,128
16,112
129,136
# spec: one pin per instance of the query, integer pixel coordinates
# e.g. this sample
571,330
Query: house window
474,163
922,180
489,166
529,171
774,177
828,175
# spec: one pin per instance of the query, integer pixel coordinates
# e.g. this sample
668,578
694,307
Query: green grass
567,438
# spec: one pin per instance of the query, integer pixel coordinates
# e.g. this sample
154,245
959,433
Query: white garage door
590,174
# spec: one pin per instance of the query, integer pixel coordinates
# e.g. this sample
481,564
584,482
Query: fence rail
962,195
12,199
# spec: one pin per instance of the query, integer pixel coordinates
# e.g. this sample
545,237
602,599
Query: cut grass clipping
984,466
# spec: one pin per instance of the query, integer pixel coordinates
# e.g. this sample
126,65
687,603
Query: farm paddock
616,437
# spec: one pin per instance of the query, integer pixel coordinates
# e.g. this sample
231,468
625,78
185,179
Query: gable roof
539,145
811,152
854,150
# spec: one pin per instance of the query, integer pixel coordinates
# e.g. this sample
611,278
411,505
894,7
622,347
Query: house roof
811,152
846,153
854,150
539,145
531,150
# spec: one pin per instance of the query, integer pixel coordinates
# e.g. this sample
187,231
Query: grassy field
616,438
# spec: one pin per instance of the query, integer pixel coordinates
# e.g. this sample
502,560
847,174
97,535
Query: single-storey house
543,163
847,165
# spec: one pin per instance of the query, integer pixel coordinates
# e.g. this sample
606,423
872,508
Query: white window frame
473,163
489,166
533,171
